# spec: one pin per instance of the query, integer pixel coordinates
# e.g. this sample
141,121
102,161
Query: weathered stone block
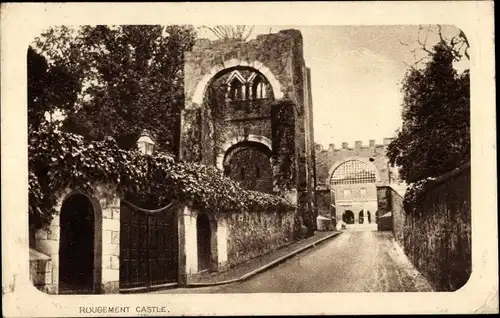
115,237
106,236
110,275
111,224
112,287
107,213
116,213
115,262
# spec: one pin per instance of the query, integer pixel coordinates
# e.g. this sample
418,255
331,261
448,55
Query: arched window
258,87
236,86
353,172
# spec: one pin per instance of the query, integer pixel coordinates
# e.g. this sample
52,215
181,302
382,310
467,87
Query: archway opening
204,237
369,217
348,217
76,245
361,217
249,163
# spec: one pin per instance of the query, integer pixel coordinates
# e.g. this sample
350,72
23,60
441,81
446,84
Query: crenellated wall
334,155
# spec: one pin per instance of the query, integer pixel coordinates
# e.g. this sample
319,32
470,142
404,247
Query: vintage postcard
248,159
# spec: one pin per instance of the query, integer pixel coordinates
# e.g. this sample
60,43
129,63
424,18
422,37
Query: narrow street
356,261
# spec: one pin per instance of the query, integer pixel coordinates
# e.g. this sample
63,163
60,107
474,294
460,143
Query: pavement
260,264
355,261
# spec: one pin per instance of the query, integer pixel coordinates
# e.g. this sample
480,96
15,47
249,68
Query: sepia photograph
169,159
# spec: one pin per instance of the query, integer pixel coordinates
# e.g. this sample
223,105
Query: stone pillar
190,245
222,242
47,242
110,240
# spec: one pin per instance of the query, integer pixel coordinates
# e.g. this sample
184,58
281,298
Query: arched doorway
369,217
348,217
76,245
204,237
361,217
249,163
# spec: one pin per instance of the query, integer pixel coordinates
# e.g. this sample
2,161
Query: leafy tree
131,78
50,87
435,136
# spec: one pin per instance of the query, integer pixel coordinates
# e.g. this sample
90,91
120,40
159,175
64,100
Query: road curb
265,267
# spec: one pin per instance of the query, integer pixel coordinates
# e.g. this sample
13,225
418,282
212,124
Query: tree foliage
61,160
50,87
435,135
129,78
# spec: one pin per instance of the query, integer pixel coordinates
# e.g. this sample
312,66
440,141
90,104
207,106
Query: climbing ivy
60,160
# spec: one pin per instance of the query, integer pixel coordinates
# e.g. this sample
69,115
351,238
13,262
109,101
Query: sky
356,72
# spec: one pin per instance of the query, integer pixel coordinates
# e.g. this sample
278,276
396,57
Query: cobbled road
354,261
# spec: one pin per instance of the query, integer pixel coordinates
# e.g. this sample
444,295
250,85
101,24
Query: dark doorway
348,217
76,246
369,217
204,242
361,217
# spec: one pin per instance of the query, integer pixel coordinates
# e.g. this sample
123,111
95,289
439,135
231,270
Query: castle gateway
248,111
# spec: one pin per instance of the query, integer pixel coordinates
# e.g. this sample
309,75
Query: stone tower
248,111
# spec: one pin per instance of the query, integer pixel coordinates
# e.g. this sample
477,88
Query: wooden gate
148,248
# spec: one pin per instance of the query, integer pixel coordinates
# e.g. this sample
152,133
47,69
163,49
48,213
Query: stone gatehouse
348,177
248,111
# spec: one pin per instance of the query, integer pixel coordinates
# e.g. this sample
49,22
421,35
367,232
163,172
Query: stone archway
207,244
361,217
366,161
201,87
77,255
231,143
204,242
348,217
250,164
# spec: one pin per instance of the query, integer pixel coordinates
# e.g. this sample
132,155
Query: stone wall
235,238
252,234
390,201
323,202
436,235
398,216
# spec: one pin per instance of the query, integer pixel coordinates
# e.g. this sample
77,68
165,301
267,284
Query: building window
236,86
363,193
347,193
258,87
353,172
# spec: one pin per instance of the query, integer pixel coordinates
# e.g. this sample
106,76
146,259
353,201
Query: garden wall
251,234
436,234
